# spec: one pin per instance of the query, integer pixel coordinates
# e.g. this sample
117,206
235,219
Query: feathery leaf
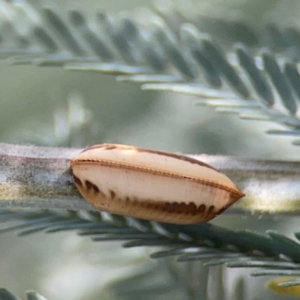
172,51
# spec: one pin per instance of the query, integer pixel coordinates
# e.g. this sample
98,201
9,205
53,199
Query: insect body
152,185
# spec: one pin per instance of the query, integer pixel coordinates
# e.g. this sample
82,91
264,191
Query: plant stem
39,177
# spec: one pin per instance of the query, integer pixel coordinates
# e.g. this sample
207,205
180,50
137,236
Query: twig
39,177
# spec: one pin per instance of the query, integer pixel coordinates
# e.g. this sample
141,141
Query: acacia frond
167,51
30,295
271,252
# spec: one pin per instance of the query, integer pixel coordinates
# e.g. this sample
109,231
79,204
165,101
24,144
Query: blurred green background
35,105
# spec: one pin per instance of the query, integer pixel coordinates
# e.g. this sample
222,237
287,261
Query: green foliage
254,75
30,295
239,70
272,252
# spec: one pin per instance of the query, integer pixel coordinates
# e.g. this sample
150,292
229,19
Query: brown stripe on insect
164,211
77,180
104,146
172,155
112,194
174,207
88,185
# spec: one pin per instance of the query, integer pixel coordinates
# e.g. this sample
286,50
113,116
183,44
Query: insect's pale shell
151,184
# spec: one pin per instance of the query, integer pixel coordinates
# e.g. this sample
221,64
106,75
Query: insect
152,185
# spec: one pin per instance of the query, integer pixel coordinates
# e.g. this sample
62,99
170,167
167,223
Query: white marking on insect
152,185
